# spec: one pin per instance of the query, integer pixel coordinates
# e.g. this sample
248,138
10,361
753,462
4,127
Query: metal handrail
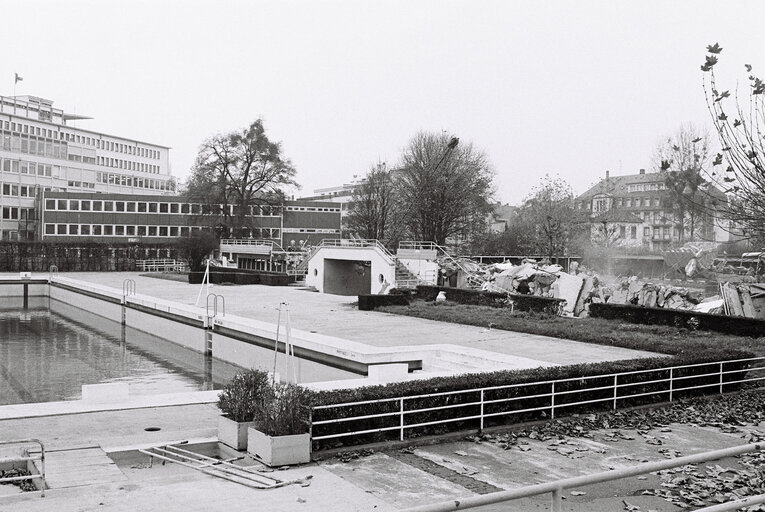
128,287
671,389
40,475
357,242
215,297
555,488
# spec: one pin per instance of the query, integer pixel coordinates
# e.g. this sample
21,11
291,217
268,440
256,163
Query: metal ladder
244,475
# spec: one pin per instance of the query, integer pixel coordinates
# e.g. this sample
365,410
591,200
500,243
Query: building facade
148,218
637,210
40,152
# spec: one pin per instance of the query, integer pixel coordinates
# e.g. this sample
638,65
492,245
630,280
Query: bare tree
740,126
372,204
241,168
549,208
444,189
684,157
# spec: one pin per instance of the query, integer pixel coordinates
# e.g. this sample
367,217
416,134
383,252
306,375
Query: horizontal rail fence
405,417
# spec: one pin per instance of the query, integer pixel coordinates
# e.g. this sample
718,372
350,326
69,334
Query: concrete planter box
233,433
279,450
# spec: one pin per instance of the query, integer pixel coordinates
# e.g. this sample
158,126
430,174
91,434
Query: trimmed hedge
533,384
370,302
495,299
679,318
241,276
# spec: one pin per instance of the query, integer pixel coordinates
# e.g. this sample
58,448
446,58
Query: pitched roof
618,185
617,216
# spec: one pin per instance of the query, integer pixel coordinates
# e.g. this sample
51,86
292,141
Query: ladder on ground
225,469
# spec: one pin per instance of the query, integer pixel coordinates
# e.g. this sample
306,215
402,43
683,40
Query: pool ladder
210,318
128,288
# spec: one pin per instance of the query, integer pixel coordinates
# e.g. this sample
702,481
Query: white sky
566,87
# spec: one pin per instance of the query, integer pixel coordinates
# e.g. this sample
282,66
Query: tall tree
240,169
444,187
740,125
372,205
549,208
683,158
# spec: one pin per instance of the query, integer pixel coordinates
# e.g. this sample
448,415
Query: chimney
642,171
607,173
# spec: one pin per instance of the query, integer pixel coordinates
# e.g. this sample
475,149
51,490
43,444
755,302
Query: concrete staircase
404,278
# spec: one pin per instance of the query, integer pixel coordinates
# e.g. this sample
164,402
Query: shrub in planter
239,401
280,432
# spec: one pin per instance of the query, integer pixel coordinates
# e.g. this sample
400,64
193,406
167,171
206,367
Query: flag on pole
18,79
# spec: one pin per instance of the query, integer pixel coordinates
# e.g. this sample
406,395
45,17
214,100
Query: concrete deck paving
337,315
384,481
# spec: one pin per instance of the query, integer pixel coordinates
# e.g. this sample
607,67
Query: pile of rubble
581,287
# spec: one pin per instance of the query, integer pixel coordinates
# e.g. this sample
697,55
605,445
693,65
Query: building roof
618,185
619,216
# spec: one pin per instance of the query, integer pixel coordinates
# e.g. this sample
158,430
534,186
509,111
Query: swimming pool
50,349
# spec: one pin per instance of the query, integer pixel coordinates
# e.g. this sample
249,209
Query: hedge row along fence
20,256
476,401
220,275
519,302
679,318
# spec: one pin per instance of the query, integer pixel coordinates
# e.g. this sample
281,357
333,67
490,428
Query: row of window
16,213
98,143
9,189
602,204
127,164
134,181
152,207
310,230
132,230
644,187
24,167
310,209
51,149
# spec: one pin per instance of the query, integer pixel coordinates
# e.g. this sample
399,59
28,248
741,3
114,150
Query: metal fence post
481,429
616,384
402,419
671,383
721,377
552,401
557,503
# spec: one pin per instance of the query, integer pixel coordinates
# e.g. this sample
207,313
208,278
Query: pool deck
338,316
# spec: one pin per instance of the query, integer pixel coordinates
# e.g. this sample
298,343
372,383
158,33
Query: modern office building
145,218
40,152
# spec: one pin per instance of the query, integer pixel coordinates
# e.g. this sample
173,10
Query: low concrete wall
182,333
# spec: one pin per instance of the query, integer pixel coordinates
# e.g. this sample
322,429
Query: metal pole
481,429
671,383
401,437
557,502
616,383
552,401
721,377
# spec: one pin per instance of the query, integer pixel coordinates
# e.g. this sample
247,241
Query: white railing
357,242
473,279
27,458
556,488
161,265
246,241
557,399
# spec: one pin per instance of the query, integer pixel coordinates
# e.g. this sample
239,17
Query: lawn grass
655,338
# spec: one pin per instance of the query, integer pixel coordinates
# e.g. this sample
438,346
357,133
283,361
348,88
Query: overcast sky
570,88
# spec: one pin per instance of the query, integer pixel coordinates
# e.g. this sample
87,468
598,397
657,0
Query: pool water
49,350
